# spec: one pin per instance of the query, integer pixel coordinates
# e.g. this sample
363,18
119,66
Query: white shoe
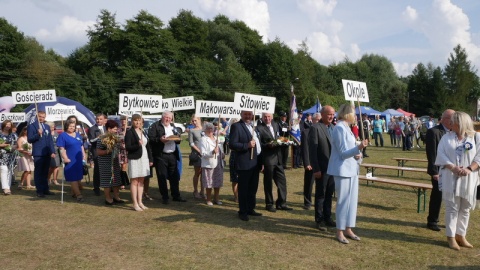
209,203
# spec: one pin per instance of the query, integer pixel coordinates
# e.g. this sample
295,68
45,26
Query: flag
294,123
319,106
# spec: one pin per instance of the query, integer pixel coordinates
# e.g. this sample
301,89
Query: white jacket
209,160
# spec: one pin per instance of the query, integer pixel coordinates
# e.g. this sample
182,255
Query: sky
407,32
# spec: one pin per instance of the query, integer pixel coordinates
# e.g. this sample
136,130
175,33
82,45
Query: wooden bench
421,188
402,161
371,168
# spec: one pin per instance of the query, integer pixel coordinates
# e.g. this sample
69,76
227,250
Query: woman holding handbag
195,137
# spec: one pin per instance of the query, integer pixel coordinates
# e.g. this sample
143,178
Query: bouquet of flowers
284,141
7,148
26,147
110,140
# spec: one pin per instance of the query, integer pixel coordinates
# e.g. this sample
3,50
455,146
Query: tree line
213,59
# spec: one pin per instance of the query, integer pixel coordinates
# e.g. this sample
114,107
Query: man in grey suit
271,159
308,178
319,142
432,139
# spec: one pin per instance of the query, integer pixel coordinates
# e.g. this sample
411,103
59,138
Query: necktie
271,131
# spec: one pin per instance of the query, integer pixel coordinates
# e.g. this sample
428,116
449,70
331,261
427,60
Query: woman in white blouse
458,156
212,164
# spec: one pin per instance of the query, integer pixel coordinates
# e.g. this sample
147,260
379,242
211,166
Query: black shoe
179,199
255,214
321,226
243,217
330,223
165,201
109,203
49,193
365,156
433,227
285,208
306,207
270,208
97,192
118,201
40,195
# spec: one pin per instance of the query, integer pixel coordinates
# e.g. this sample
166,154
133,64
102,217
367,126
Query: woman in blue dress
70,144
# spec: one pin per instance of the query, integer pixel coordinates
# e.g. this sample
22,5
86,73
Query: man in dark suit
245,148
165,155
39,135
284,132
93,134
308,178
432,139
319,142
272,164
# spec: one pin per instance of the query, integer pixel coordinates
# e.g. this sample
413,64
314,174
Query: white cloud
404,69
325,42
69,29
410,14
253,12
445,26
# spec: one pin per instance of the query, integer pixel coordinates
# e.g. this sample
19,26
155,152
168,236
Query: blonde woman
195,139
139,160
458,156
212,164
25,163
344,165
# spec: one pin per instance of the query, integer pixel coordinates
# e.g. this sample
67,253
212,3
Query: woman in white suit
344,165
212,164
458,156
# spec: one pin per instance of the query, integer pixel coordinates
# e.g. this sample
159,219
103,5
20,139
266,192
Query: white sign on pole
34,96
137,102
59,112
14,117
249,102
178,103
355,91
206,108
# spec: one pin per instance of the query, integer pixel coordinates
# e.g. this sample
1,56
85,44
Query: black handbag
194,157
85,169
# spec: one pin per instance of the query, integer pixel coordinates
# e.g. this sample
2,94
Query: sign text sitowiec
249,102
137,102
34,96
355,91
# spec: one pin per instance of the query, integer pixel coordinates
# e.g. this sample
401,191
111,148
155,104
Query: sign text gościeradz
34,96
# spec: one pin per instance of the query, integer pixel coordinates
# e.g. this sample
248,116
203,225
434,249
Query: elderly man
319,142
272,164
245,148
432,139
308,178
165,156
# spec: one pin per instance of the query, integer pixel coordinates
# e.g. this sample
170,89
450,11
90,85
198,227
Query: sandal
7,192
20,187
80,199
197,195
30,187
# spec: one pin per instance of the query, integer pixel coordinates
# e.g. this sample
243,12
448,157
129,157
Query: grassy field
45,234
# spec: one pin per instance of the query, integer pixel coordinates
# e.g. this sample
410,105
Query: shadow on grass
442,267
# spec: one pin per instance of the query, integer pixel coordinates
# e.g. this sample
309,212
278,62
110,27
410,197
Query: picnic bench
402,161
371,168
421,188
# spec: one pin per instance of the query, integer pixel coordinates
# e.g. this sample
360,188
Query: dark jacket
155,133
319,143
41,145
432,139
133,147
240,136
271,155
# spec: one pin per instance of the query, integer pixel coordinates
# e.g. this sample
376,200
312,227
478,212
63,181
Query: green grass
45,234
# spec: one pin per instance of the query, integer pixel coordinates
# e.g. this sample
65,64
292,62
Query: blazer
41,145
209,160
133,147
320,147
93,134
155,133
270,155
433,137
240,136
342,162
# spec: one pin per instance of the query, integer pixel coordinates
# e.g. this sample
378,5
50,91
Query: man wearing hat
283,131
